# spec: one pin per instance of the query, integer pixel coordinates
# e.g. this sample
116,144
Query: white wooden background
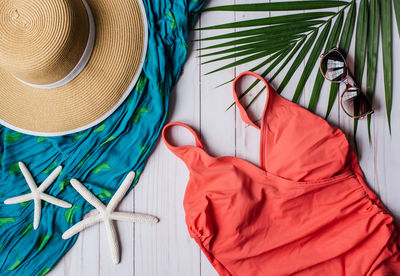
166,248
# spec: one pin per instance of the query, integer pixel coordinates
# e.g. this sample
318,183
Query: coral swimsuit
305,211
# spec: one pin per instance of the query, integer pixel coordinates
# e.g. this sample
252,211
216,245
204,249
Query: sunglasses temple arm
350,81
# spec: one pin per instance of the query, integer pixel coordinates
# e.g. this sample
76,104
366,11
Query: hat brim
103,85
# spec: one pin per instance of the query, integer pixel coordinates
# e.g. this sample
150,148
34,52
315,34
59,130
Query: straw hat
66,65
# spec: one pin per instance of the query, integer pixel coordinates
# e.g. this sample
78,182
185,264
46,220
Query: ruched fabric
305,211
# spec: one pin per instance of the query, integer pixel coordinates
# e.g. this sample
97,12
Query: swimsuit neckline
260,172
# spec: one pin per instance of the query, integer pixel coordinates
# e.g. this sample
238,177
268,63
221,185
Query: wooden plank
84,256
393,153
166,248
217,125
387,149
365,148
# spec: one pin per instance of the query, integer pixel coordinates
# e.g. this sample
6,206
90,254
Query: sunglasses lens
333,67
355,103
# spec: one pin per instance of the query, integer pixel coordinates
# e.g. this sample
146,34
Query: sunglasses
334,68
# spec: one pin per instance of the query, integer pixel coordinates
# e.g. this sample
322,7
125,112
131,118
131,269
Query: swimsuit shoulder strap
186,152
243,112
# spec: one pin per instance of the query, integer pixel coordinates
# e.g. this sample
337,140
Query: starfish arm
87,195
19,199
37,213
133,217
82,225
112,241
120,193
55,201
50,179
28,177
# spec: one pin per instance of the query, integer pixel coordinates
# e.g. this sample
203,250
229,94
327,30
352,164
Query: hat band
87,53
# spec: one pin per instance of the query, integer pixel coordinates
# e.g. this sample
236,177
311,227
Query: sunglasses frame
348,81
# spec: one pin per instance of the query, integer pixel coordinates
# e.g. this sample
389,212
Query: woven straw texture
41,42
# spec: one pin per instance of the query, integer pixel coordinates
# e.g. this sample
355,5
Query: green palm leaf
270,31
288,58
273,65
372,54
266,72
259,41
242,61
332,41
361,41
305,34
276,56
386,27
348,29
315,53
280,6
249,49
299,59
360,54
397,12
291,18
260,65
344,45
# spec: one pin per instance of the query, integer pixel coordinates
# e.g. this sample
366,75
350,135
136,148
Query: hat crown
41,41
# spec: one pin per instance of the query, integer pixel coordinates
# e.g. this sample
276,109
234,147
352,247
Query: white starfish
37,193
107,214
